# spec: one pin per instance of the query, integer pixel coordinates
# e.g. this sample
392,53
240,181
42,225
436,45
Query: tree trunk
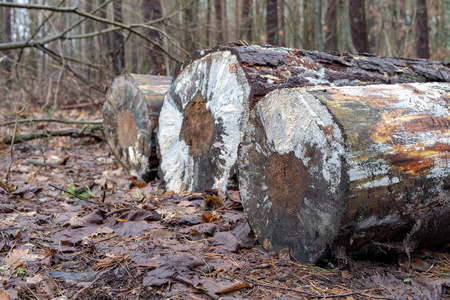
331,37
358,25
203,114
421,28
118,51
318,24
272,22
218,12
246,28
7,34
337,169
155,57
130,116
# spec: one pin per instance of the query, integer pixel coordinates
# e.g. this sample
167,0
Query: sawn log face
130,114
375,168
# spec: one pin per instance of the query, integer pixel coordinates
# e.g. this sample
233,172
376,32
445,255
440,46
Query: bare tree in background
154,56
55,43
318,24
421,27
219,21
246,27
357,15
118,51
331,21
6,36
272,22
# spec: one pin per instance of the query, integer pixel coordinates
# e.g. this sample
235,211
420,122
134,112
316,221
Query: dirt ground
73,225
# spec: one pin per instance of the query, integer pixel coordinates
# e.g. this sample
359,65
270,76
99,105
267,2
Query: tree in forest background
77,47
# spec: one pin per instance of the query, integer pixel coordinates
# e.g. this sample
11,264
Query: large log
130,116
204,112
334,169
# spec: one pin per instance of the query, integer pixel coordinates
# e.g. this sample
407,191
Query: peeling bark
348,168
230,80
130,116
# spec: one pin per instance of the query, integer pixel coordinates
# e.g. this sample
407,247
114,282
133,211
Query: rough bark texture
130,116
228,81
349,168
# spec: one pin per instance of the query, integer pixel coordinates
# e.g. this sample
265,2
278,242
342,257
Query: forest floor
75,226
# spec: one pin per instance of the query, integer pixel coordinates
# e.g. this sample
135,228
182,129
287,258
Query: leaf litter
78,227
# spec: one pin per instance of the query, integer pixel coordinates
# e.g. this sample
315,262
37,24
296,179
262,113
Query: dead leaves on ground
134,240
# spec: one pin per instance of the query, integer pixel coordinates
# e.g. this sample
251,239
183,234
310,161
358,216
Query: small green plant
48,111
138,196
72,191
21,272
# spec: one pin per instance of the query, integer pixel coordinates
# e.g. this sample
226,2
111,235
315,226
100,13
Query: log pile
207,107
330,151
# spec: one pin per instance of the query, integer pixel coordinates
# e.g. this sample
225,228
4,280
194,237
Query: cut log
207,107
334,169
130,116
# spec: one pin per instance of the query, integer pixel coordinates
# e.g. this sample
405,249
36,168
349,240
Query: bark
331,37
272,22
207,107
348,169
130,117
358,25
421,27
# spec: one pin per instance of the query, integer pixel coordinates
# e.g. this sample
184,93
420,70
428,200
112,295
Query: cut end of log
128,127
290,174
201,121
347,167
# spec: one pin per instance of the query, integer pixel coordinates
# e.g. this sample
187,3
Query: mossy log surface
350,168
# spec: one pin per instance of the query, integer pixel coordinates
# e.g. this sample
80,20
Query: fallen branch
95,122
68,132
80,105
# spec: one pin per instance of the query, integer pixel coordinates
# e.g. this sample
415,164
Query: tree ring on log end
291,174
286,176
198,127
127,126
201,121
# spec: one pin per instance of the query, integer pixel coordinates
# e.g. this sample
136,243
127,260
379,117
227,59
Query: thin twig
94,122
319,295
75,195
11,154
